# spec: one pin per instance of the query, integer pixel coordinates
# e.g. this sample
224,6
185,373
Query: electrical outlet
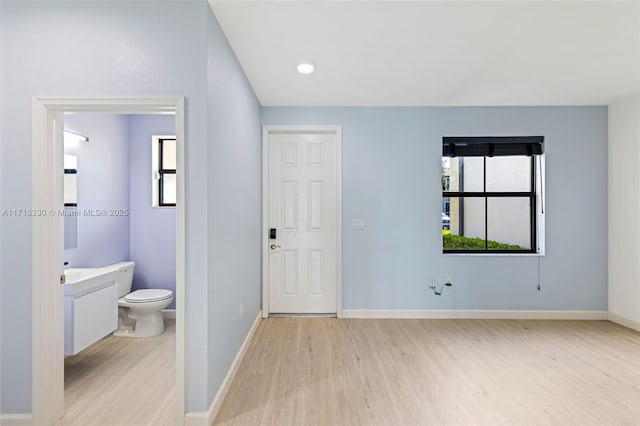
241,311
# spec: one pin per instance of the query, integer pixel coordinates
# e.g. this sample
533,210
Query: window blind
491,146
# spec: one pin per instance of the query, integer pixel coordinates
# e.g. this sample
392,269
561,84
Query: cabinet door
94,316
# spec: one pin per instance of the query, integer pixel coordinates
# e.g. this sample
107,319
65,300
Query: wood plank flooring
122,381
325,371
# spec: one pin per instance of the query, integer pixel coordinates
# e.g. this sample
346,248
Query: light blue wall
103,183
234,205
133,47
94,49
391,177
153,230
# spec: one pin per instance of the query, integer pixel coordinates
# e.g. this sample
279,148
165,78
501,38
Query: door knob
274,246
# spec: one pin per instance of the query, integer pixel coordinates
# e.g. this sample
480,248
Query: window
489,195
164,171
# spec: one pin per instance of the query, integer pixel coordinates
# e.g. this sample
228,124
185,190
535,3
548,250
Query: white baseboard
473,314
169,314
634,325
206,419
16,420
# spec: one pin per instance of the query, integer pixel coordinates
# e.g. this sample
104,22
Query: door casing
47,247
267,131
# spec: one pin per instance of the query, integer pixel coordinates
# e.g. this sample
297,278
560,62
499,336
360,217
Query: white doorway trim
267,130
47,247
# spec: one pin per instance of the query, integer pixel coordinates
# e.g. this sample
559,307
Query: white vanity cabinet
89,316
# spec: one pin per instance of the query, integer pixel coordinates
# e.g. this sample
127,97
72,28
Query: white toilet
139,312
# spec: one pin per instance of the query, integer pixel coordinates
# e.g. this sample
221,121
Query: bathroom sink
79,281
74,275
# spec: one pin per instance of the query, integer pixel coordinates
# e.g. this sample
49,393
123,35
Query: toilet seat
148,295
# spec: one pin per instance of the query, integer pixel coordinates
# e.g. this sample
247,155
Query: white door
302,208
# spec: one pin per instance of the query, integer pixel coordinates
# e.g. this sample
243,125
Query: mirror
70,179
70,202
70,227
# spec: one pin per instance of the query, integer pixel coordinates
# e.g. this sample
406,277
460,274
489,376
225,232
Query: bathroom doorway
120,268
49,233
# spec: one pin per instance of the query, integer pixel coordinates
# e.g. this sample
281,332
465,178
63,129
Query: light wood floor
322,371
122,381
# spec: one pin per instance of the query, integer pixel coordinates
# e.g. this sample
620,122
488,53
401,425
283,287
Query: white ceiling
436,53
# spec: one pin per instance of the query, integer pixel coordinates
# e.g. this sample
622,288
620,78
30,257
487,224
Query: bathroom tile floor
122,381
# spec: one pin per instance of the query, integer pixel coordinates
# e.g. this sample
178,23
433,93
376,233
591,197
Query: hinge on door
63,279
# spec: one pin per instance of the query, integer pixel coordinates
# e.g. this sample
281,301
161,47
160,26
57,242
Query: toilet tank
124,277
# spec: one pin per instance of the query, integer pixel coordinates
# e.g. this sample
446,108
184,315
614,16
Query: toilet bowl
139,312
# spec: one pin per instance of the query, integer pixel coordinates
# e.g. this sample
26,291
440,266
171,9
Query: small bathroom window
164,171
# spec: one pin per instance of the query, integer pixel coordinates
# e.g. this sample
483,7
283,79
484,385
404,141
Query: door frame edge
47,390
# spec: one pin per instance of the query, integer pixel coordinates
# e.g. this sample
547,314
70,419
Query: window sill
542,254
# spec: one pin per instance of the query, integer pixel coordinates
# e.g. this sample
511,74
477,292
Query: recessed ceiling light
306,67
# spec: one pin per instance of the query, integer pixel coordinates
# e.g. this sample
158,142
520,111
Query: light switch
358,223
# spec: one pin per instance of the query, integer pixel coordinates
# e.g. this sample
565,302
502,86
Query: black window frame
162,172
531,194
